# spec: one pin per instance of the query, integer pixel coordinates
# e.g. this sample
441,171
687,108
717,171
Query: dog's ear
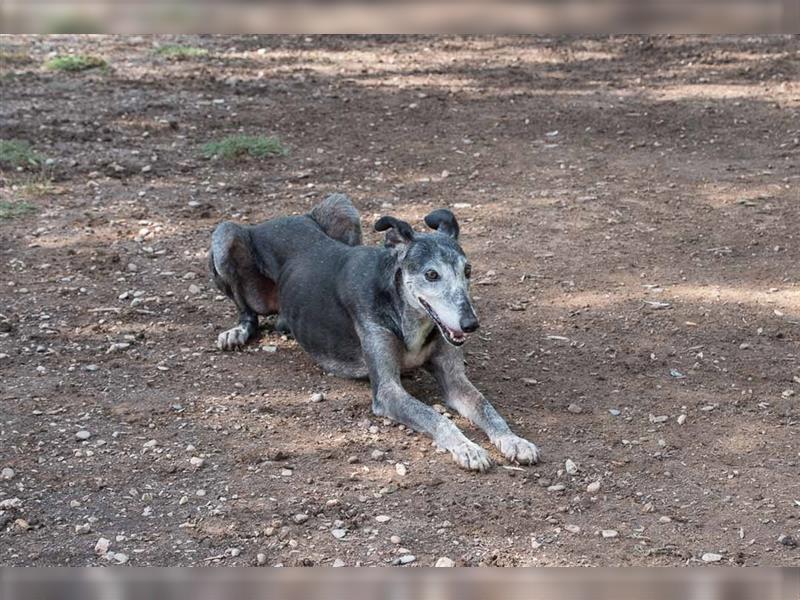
444,221
398,232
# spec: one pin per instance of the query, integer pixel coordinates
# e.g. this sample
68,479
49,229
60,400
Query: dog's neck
415,324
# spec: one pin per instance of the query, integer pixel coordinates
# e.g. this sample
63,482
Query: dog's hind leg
339,219
235,271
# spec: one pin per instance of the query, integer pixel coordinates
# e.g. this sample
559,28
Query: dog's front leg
382,351
447,366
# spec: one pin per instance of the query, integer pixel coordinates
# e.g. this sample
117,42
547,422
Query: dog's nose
469,323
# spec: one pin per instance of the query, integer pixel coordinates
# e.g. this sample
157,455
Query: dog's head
434,272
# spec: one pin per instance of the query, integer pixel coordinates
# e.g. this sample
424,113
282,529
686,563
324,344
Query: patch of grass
178,52
75,63
9,210
18,153
238,146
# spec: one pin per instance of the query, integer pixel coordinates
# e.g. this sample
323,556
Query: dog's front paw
517,449
470,456
233,338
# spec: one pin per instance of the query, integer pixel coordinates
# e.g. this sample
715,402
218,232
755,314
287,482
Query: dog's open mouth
456,338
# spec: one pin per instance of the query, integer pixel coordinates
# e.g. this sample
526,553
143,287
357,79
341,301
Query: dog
368,311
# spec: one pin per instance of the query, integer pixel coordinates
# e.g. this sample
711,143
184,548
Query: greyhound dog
368,311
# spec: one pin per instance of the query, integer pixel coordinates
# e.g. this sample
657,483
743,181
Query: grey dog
368,311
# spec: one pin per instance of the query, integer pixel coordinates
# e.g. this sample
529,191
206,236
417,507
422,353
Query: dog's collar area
455,338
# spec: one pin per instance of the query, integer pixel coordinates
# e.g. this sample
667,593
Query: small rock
571,467
665,519
614,412
572,528
7,473
83,435
395,539
407,559
197,462
352,460
658,419
378,454
609,533
83,529
22,524
401,469
339,533
787,540
593,487
383,518
574,409
681,419
445,562
235,552
261,559
102,546
194,290
150,444
711,557
318,397
338,563
300,518
558,487
120,558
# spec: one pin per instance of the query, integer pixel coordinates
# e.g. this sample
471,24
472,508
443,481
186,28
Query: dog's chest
418,349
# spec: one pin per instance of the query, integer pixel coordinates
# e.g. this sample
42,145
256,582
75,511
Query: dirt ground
630,207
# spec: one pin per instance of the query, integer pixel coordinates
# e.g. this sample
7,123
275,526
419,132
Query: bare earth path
630,206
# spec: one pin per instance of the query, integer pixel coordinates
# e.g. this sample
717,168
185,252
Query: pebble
401,469
572,528
83,435
614,412
7,473
120,558
22,524
300,518
558,487
593,487
318,397
151,444
571,467
352,460
338,533
681,419
261,559
377,454
102,545
406,559
665,519
338,563
383,518
83,529
711,557
787,540
395,539
609,533
235,552
197,462
194,290
574,409
445,562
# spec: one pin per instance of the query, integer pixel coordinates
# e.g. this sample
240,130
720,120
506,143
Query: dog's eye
431,275
467,270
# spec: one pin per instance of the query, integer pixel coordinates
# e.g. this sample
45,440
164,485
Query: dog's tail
339,219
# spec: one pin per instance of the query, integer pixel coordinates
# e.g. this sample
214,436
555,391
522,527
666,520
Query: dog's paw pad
232,339
517,449
472,457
